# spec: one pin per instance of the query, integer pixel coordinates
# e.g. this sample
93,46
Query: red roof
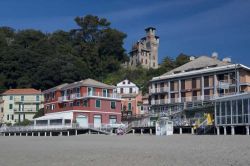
27,91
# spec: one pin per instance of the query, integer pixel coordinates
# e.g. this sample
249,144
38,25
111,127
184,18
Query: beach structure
187,93
131,99
232,114
19,104
145,51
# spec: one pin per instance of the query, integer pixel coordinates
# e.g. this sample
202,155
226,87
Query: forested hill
31,58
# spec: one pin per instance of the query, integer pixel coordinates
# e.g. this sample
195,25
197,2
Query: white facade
17,107
127,87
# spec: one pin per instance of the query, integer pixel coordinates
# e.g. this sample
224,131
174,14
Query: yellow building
19,104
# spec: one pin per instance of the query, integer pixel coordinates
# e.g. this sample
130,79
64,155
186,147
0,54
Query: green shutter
97,103
37,107
129,106
113,105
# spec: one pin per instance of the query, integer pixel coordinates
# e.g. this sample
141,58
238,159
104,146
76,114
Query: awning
57,115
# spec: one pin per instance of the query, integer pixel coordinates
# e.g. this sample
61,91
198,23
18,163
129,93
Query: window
78,103
105,93
91,91
12,117
64,104
130,90
123,82
194,83
206,81
112,119
1,109
37,107
113,104
182,84
206,92
128,82
37,97
121,90
10,106
71,104
85,103
8,117
172,86
129,106
11,97
22,98
239,103
98,103
52,106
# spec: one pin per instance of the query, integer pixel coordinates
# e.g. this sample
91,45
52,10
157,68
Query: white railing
86,95
60,127
25,110
159,90
142,123
18,100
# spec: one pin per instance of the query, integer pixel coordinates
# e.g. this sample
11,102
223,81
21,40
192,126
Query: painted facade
88,102
131,98
127,87
19,104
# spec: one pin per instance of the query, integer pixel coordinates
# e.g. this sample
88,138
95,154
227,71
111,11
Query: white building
127,87
19,104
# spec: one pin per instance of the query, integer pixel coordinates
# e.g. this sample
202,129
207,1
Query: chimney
215,55
191,58
227,60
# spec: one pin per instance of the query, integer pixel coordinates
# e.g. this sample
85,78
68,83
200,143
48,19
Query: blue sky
193,27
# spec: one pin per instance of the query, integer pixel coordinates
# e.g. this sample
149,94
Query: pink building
85,102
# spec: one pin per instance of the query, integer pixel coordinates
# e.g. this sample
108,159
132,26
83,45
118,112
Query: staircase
129,128
204,128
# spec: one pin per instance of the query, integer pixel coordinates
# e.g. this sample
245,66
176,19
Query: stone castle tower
145,51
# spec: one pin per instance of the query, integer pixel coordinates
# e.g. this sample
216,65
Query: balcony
18,100
159,90
225,84
25,110
159,102
88,95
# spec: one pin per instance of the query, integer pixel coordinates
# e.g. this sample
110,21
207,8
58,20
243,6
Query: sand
129,150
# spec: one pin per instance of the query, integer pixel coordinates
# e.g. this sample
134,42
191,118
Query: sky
192,27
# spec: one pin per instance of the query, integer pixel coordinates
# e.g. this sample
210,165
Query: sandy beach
127,150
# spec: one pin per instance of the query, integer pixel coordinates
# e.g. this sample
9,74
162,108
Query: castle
145,51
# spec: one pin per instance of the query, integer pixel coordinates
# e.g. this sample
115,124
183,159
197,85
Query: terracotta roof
26,91
88,82
58,87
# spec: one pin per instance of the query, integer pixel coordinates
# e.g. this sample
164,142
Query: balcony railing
159,90
25,110
87,95
18,100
